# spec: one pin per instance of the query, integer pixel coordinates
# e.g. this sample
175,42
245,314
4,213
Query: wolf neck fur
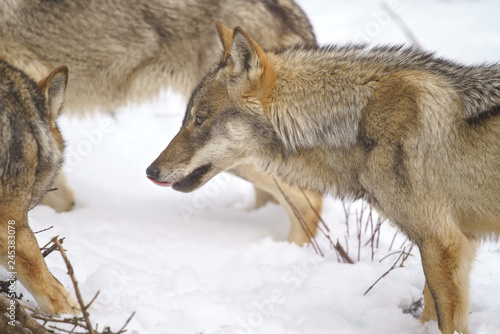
316,110
322,107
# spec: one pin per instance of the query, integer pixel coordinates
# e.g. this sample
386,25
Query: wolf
30,158
417,137
124,51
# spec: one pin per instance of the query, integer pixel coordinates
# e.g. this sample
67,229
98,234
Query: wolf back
124,51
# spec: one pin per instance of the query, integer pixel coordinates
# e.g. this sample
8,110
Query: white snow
204,262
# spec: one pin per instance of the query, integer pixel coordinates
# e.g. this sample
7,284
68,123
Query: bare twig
45,229
390,254
346,244
122,330
346,211
402,256
343,253
379,225
375,232
49,318
23,320
52,248
393,239
323,228
315,211
372,243
72,331
385,274
404,27
40,323
314,242
359,226
407,255
93,299
71,274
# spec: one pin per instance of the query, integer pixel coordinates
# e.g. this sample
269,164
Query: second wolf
30,157
415,136
121,51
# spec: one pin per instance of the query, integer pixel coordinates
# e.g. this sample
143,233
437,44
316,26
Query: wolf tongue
161,184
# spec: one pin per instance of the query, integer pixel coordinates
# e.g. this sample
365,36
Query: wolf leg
429,307
62,199
308,204
262,197
447,259
30,266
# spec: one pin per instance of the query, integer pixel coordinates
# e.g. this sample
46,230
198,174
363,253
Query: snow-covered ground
204,262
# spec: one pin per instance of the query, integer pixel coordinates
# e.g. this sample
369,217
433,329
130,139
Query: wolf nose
152,172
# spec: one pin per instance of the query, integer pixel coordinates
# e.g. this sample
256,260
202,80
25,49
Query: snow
205,262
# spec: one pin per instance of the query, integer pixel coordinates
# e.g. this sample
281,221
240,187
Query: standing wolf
122,50
30,158
415,136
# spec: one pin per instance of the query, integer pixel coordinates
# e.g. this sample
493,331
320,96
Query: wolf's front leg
429,307
262,197
62,199
31,269
447,258
304,215
306,204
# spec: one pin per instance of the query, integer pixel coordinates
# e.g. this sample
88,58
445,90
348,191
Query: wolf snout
152,172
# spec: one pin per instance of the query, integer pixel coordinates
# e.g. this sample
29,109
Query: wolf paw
62,199
58,301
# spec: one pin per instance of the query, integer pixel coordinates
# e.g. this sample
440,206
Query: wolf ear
246,59
226,38
54,88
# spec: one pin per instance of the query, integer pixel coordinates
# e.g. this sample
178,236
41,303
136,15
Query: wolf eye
199,120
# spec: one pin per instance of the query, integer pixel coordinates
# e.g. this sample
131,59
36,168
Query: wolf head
225,122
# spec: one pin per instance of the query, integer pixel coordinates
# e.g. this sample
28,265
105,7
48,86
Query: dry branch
321,226
404,27
343,253
31,321
45,229
47,251
402,256
71,274
303,224
23,322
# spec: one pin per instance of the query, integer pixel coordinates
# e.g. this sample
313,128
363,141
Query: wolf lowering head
224,129
223,125
258,106
415,136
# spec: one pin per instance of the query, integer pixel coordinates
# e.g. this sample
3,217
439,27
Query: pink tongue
161,184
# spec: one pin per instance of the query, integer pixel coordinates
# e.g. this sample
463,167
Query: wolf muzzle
152,173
